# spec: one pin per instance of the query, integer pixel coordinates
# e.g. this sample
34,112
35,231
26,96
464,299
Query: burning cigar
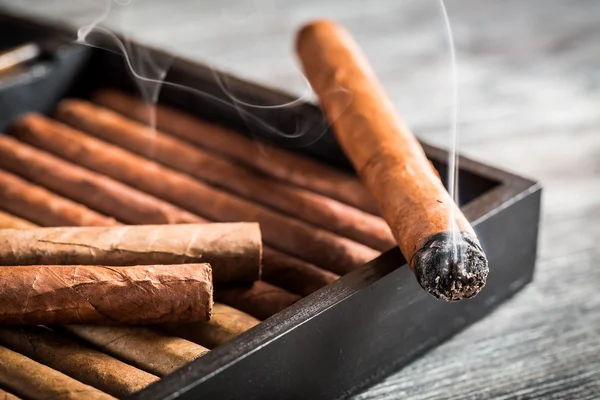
32,380
260,300
77,183
182,156
8,221
79,294
291,235
233,250
225,324
43,207
183,190
271,161
143,347
85,364
393,166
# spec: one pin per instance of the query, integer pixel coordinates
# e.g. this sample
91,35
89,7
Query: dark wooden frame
351,333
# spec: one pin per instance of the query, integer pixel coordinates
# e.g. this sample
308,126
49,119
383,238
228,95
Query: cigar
99,192
261,300
144,348
270,161
68,356
393,166
330,251
4,395
38,205
32,380
174,153
8,221
225,324
291,235
81,294
233,250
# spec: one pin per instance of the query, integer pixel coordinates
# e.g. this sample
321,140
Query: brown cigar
8,221
80,294
260,300
184,157
43,207
393,166
291,235
4,395
85,364
233,250
225,324
143,347
271,161
77,183
341,255
32,380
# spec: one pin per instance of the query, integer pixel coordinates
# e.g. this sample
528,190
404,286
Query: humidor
347,335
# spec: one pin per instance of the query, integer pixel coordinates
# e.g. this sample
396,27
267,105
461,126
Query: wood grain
530,90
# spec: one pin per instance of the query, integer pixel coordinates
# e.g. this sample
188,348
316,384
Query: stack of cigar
90,286
109,224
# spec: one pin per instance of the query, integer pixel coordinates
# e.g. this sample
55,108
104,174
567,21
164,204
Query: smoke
454,134
149,73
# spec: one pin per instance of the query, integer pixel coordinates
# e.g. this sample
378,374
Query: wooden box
348,335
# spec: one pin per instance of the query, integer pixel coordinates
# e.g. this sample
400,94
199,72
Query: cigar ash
451,267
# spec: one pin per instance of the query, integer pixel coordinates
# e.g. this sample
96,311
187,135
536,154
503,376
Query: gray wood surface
530,103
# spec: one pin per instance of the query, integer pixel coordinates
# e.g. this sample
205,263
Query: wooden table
530,103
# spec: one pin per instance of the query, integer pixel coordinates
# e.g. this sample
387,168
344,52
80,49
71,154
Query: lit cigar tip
451,272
